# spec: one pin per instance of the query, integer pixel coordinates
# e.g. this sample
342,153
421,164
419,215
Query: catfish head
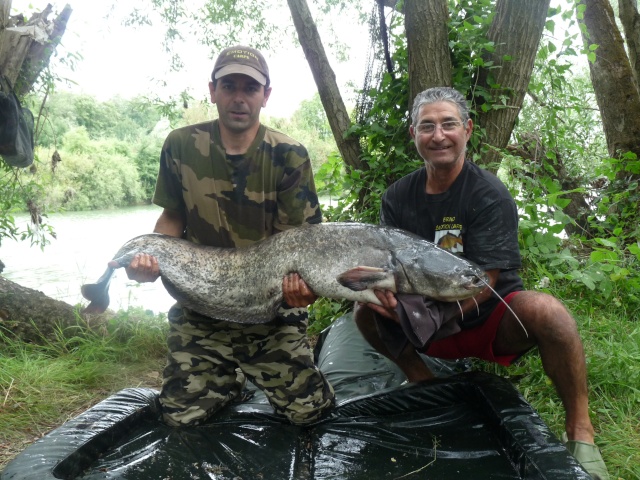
426,269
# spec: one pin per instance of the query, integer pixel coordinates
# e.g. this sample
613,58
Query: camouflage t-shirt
235,200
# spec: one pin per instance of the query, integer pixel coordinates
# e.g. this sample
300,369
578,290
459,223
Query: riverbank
84,242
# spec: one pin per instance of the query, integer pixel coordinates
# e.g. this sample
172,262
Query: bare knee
537,318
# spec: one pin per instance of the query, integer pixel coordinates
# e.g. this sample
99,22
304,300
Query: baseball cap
244,60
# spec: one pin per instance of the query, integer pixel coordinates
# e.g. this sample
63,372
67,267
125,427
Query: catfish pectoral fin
363,278
97,293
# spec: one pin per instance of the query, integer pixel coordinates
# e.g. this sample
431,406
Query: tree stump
27,46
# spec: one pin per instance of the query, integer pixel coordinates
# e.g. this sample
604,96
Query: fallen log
32,317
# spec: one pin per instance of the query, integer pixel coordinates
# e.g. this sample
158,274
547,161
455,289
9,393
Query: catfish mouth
465,285
475,281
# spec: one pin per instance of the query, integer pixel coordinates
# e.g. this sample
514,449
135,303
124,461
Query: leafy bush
309,126
91,176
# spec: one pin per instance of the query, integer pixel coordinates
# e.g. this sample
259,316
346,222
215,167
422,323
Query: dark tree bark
516,31
630,18
384,36
393,4
428,45
33,317
26,47
612,78
39,54
325,79
5,10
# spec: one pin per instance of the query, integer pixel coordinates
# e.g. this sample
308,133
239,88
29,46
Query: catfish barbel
336,260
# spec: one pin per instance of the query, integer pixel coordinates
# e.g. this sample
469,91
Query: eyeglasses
429,128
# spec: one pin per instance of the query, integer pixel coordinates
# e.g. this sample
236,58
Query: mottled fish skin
337,260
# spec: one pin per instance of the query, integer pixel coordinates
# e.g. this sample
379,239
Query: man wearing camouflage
229,183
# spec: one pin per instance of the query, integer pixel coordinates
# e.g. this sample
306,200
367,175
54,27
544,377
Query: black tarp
467,425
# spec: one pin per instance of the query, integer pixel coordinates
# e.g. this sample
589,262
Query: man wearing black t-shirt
469,211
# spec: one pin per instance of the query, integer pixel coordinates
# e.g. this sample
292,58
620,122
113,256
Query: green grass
43,386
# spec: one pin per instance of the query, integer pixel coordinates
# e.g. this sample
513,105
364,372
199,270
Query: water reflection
85,242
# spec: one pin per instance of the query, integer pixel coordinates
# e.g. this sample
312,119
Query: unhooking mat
466,425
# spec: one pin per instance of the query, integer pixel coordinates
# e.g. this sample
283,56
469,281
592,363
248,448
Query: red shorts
476,342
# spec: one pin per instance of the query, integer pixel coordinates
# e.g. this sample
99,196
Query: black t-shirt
476,218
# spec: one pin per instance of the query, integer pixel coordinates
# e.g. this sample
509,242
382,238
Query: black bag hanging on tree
16,128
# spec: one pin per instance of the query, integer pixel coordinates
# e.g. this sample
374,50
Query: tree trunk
25,48
613,81
5,11
630,18
516,31
39,54
325,79
33,317
427,45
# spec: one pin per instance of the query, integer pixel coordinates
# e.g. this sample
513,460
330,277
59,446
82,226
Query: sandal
588,455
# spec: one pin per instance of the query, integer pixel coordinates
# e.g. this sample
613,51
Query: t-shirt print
448,235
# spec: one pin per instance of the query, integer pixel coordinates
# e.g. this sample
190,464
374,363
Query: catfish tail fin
98,293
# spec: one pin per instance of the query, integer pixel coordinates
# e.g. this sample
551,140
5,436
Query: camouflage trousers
209,360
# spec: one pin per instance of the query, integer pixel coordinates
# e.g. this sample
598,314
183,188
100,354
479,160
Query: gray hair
440,94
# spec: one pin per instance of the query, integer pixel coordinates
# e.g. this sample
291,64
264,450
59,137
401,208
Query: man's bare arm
144,268
170,223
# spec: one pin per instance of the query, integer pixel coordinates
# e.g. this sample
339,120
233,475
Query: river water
85,242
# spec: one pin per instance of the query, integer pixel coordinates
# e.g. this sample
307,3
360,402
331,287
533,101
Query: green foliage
92,175
560,135
232,22
330,179
309,126
617,210
604,261
468,26
116,118
323,312
146,157
89,155
559,112
218,24
19,189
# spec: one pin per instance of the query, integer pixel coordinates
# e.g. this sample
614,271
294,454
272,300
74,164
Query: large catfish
337,260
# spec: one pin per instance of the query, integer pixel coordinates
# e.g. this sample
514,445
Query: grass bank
41,387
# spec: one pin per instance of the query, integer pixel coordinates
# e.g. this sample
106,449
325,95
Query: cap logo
243,54
242,60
